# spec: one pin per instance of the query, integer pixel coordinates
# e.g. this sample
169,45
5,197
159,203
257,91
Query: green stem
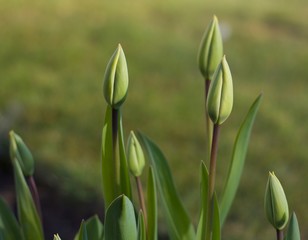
212,177
279,234
141,199
116,160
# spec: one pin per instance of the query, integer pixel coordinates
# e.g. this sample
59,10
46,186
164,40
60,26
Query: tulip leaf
141,227
83,233
201,231
27,213
120,221
95,229
238,160
107,160
9,228
124,172
179,224
151,206
293,229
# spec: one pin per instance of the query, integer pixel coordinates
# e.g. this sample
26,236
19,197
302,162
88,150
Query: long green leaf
141,227
83,233
151,206
95,229
238,160
124,173
201,232
120,221
9,228
109,186
179,224
293,229
27,214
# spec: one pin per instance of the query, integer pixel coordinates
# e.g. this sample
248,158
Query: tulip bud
116,79
56,237
275,203
20,152
210,50
135,156
220,98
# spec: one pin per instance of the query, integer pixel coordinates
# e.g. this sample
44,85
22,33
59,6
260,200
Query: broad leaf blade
83,233
9,228
179,224
95,229
109,186
293,229
238,159
27,213
151,206
120,222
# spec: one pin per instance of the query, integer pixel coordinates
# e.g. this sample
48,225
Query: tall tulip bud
220,98
116,79
20,152
275,203
135,156
210,50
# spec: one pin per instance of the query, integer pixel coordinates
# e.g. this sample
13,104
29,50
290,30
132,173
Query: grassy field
52,61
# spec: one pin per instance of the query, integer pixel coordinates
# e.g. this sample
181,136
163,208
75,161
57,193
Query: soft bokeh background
52,60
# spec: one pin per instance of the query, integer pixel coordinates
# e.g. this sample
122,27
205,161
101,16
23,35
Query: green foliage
120,220
9,227
179,224
238,160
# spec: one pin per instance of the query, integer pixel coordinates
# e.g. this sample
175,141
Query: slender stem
212,176
35,195
116,161
141,199
279,234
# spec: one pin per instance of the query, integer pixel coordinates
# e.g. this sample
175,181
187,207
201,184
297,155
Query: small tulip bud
116,79
20,152
135,156
220,98
275,203
56,237
210,50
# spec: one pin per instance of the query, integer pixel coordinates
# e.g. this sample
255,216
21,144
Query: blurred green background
53,55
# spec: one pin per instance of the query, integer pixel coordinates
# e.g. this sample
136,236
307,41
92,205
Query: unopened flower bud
135,156
210,50
275,203
20,152
116,79
220,98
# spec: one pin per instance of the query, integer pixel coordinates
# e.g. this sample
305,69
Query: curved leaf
201,231
9,228
179,224
95,229
293,229
238,159
151,206
120,221
27,214
109,189
141,227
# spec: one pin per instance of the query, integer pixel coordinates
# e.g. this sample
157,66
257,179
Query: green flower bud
116,79
210,50
20,152
220,97
135,156
56,237
275,203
